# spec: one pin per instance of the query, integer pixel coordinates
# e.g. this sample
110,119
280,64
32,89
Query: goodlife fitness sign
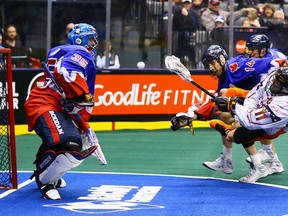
119,94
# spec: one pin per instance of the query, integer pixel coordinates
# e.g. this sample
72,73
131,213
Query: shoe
220,126
50,192
60,183
265,156
275,167
255,173
221,164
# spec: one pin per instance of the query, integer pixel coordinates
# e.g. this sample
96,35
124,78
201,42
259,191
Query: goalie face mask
280,82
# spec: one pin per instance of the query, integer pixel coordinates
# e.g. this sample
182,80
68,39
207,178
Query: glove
226,104
182,120
67,105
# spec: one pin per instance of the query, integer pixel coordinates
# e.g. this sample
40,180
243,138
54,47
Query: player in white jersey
257,46
263,115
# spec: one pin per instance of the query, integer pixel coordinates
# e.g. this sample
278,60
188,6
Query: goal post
8,167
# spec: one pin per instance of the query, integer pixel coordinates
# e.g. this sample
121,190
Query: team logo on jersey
233,67
250,63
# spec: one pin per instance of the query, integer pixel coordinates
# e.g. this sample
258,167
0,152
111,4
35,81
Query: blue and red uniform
75,71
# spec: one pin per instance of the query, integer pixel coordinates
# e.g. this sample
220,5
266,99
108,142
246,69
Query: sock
255,159
227,152
267,147
269,150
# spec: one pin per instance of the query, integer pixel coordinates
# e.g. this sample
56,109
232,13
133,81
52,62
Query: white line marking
144,174
23,184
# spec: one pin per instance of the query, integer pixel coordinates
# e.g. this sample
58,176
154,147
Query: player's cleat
221,164
50,192
60,183
265,156
220,126
255,173
275,167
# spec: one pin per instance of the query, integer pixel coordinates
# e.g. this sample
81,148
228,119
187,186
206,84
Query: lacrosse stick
92,138
173,64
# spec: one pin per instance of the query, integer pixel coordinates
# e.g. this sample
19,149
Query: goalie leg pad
52,165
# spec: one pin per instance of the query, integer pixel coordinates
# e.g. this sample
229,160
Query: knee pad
243,135
247,144
53,164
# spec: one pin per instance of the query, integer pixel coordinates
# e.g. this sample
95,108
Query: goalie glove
93,141
226,104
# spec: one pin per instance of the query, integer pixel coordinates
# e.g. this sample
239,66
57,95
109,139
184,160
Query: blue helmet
84,35
258,41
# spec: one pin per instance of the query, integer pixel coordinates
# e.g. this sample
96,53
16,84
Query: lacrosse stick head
174,65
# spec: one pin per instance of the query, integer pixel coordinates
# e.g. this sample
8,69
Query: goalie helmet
258,41
84,35
280,82
215,52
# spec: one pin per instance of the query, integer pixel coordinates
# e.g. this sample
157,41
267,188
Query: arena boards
139,194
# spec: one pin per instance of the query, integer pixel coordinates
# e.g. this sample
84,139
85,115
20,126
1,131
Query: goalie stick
173,64
98,153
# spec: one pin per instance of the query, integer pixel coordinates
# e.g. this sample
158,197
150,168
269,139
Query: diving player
264,114
240,71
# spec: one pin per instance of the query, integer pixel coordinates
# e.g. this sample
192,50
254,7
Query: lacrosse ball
141,65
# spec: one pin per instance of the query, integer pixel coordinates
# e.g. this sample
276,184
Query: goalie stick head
84,35
215,53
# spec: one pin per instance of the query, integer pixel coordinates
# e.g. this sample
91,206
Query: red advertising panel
120,94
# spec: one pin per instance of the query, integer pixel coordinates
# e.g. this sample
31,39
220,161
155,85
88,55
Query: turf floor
159,152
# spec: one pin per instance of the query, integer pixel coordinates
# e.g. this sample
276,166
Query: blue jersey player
241,72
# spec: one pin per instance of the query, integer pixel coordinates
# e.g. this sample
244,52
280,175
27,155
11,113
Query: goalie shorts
57,127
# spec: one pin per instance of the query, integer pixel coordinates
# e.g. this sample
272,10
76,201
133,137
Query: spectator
12,41
64,39
253,17
246,22
114,62
268,11
210,14
279,17
247,3
1,40
11,38
186,24
219,22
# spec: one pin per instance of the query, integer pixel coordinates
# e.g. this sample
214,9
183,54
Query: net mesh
5,159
